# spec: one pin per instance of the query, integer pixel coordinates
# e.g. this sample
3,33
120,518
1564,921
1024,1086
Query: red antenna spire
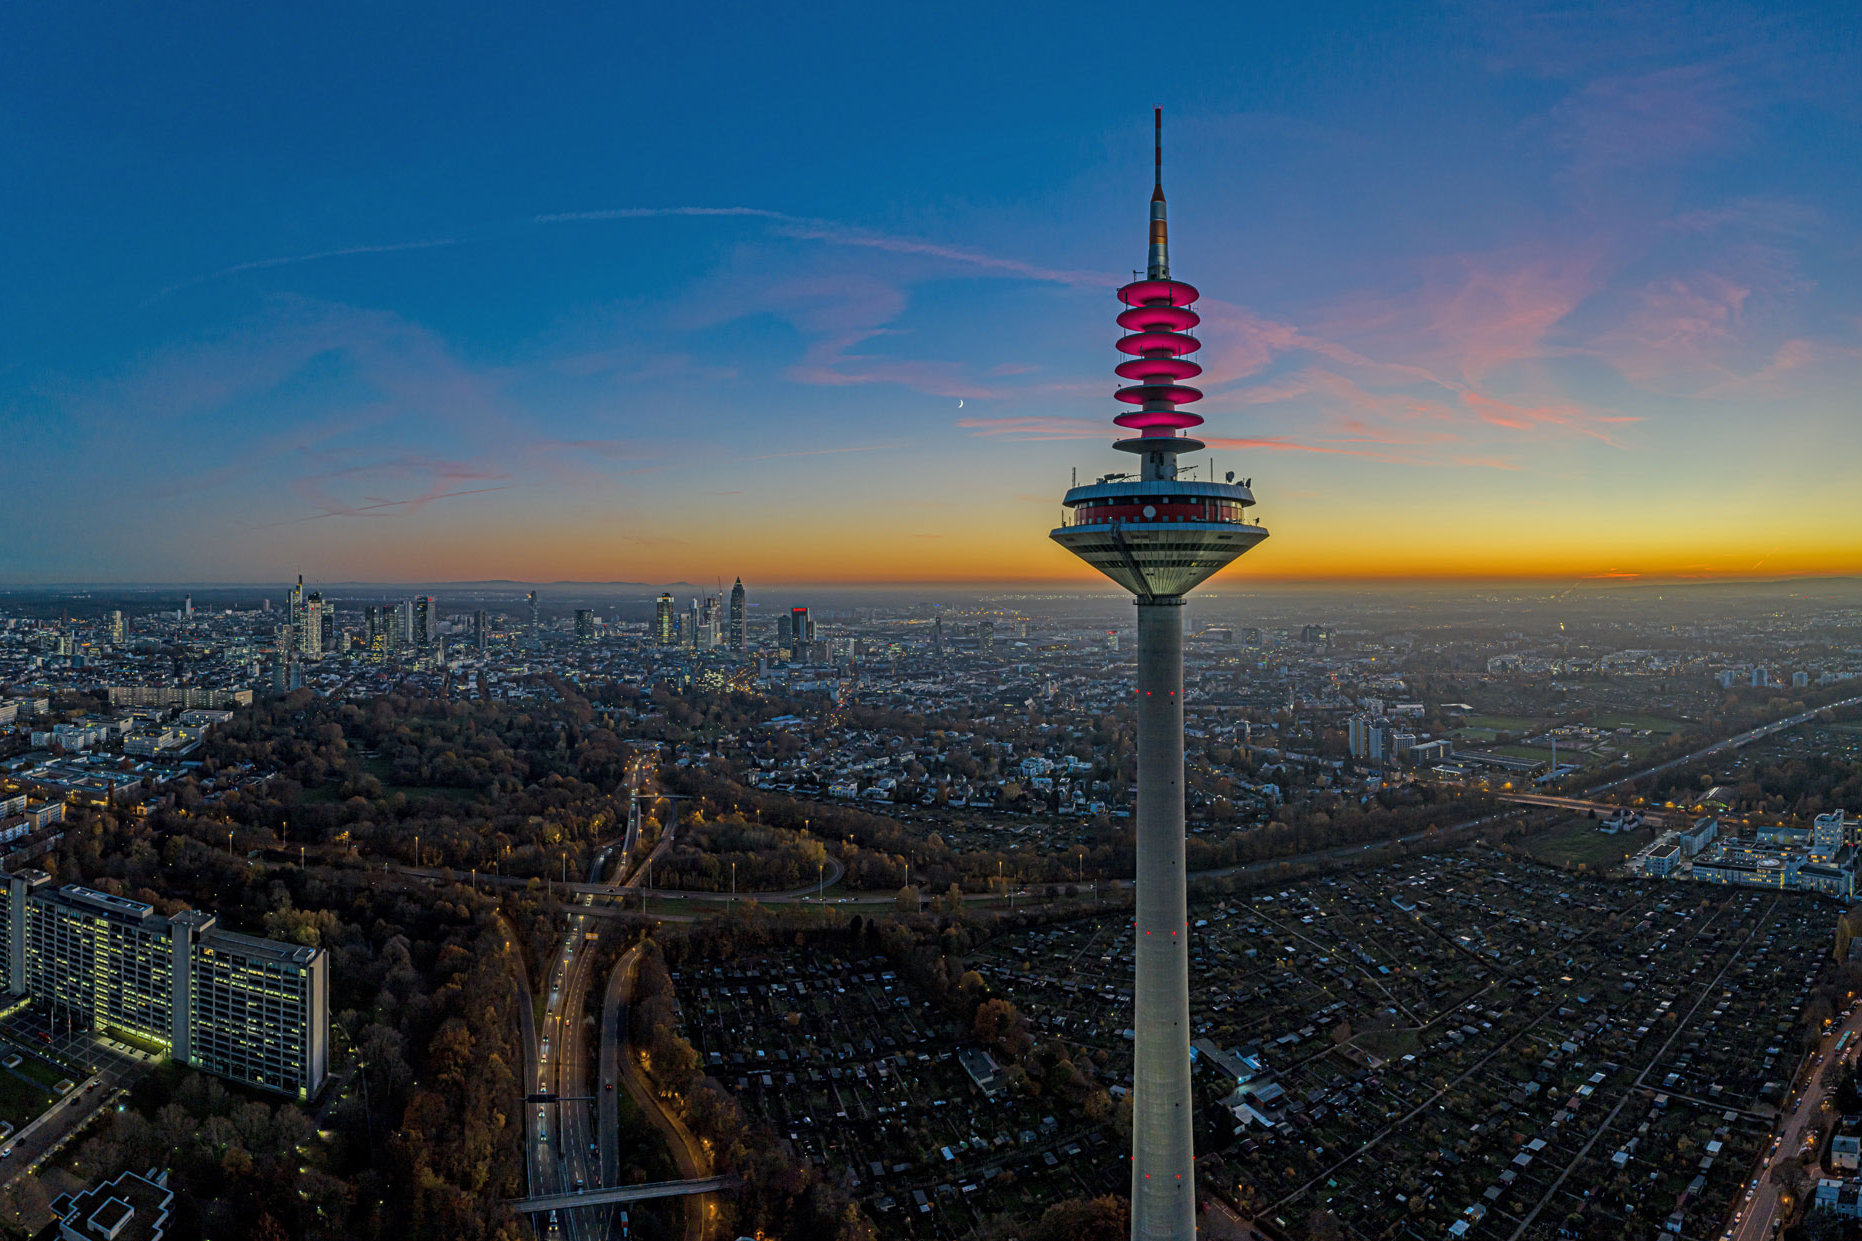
1157,194
1158,268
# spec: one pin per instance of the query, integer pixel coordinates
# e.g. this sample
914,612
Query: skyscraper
584,625
310,626
665,623
798,634
481,629
737,616
378,631
711,624
118,630
986,637
535,634
424,628
1159,536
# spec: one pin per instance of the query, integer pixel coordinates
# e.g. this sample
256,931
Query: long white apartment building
251,1010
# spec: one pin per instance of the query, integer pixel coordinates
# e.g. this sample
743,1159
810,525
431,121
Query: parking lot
98,1066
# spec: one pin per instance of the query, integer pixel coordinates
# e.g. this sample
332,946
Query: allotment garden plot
870,1082
1467,1044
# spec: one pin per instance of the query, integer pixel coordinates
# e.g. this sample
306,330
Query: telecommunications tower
1159,535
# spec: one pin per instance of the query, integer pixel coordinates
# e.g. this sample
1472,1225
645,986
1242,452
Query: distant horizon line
1082,586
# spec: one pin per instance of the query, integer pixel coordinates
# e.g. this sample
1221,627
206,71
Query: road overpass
622,1193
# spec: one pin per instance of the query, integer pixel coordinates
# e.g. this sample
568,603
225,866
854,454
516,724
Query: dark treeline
517,788
881,853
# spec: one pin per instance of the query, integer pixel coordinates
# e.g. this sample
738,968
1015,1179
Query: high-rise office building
711,623
536,633
1159,535
377,626
252,1010
584,625
403,638
1828,834
665,622
481,630
310,627
425,629
798,634
986,637
118,630
737,638
937,636
187,606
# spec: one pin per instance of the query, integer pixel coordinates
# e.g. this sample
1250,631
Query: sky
824,293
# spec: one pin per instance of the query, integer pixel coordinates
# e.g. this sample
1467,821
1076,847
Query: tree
1084,1219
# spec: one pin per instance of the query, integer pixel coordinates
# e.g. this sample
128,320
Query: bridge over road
622,1193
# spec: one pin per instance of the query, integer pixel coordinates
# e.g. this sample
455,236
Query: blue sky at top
458,291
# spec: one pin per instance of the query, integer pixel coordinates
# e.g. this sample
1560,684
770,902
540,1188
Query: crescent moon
959,402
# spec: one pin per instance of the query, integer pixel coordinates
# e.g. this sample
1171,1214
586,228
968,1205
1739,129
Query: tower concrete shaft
1163,1184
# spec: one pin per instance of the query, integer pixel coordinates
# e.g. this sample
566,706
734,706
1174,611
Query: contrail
801,228
289,259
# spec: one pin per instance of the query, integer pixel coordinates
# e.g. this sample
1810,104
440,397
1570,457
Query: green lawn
1578,842
1654,723
1542,753
1504,723
21,1101
41,1069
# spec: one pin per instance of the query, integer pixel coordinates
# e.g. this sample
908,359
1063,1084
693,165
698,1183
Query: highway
565,1154
563,1159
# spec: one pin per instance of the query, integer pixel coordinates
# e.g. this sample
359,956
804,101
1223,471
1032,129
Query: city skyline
1582,283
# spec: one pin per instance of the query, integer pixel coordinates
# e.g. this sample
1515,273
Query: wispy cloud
332,488
290,260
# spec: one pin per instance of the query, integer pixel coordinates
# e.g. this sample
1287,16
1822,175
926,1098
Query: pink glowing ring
1171,318
1172,343
1157,292
1166,419
1158,368
1176,394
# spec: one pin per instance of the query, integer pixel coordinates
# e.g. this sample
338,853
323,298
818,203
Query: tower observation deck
1152,532
1159,535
